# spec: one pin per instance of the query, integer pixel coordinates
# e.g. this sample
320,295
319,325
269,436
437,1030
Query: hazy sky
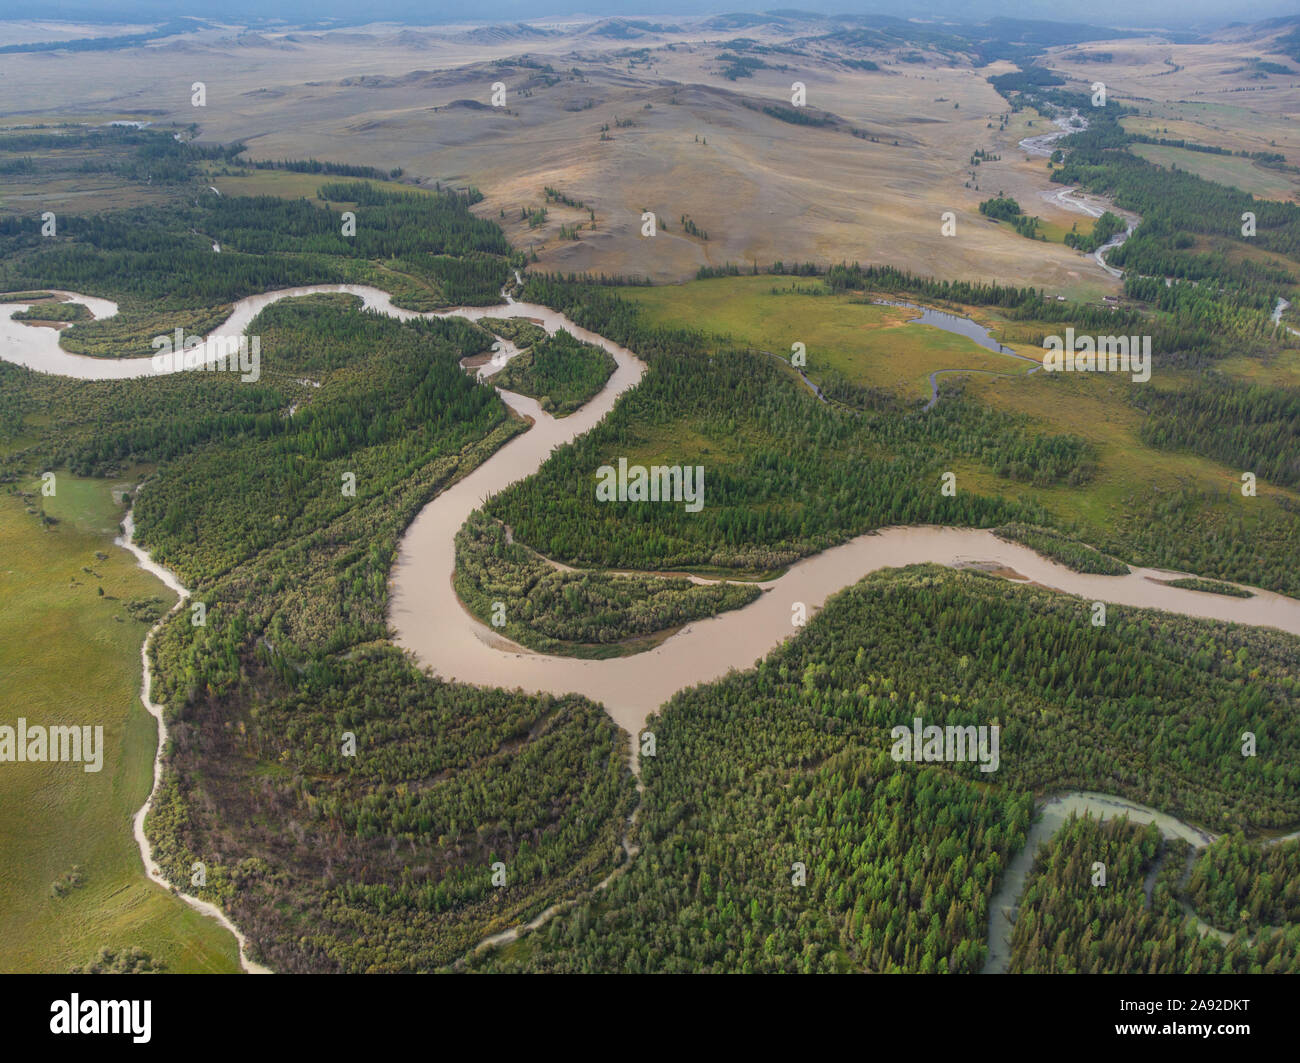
1179,13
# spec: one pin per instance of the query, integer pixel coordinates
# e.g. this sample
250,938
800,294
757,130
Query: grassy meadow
874,346
71,656
877,346
1232,170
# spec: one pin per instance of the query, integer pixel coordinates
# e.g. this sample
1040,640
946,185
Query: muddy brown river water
428,619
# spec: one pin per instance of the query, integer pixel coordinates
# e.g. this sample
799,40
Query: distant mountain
500,34
110,43
1019,40
1280,36
742,21
327,13
623,29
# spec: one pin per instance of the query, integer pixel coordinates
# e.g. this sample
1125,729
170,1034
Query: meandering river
428,619
1080,202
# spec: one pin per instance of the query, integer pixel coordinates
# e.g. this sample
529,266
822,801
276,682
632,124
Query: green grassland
69,193
870,345
1223,125
56,182
1223,169
74,178
68,655
1050,231
287,184
1283,370
874,346
1129,472
1055,231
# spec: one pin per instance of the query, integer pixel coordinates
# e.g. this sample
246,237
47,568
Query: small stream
1051,815
127,541
1278,311
972,330
1081,203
